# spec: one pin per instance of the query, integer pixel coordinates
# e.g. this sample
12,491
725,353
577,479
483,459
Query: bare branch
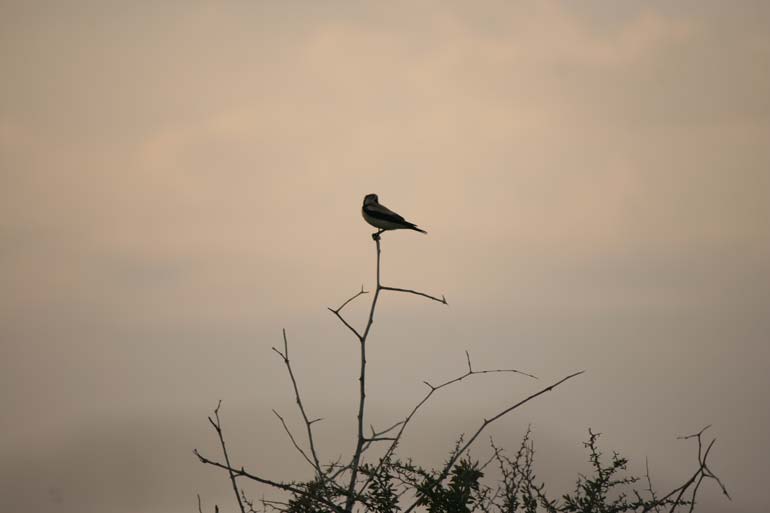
218,428
380,438
488,371
650,489
308,423
695,435
346,323
275,484
359,293
339,309
495,455
700,474
274,505
385,431
409,291
293,441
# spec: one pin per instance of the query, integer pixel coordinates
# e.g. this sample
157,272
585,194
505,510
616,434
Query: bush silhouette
389,483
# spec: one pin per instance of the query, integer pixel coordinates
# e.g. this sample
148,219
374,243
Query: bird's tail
414,227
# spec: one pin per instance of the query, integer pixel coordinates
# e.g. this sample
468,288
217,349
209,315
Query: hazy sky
179,182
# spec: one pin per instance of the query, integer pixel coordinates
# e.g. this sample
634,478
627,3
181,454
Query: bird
383,218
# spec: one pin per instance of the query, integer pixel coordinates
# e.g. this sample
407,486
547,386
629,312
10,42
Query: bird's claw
376,236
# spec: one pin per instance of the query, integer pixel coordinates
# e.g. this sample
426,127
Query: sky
180,181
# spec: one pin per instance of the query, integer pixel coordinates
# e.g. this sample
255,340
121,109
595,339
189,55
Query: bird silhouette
383,218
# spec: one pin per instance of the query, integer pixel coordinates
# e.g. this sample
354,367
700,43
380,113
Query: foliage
606,489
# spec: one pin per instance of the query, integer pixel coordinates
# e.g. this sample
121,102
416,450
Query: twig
308,423
423,294
336,311
359,293
265,504
218,428
650,489
275,484
495,455
346,323
293,441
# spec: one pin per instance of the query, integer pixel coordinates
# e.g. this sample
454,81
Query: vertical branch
360,439
218,428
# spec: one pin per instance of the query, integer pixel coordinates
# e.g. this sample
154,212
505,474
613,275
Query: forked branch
336,311
703,472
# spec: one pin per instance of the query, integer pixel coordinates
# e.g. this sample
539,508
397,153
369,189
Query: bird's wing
382,212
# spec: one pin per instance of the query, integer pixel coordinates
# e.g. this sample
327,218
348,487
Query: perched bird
383,218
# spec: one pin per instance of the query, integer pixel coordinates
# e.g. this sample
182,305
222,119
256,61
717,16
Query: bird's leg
376,236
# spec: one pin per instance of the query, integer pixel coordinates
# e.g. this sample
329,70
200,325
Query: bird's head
370,199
